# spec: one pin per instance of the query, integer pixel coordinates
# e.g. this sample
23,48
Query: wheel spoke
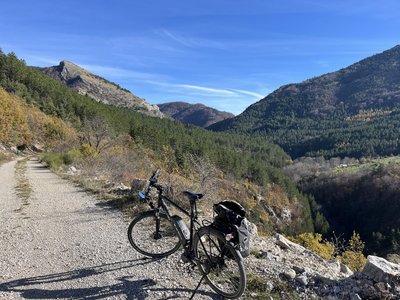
220,262
153,237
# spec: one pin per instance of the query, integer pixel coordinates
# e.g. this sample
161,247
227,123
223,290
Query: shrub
56,160
350,255
313,242
353,255
88,151
53,160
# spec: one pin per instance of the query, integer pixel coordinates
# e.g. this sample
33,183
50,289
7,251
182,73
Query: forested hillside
250,159
352,112
361,196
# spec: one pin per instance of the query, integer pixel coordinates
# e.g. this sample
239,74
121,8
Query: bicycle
206,247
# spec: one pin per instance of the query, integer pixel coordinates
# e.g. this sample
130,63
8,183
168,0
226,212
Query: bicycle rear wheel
152,236
220,262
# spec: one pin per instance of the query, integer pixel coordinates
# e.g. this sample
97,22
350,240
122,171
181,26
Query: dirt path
56,241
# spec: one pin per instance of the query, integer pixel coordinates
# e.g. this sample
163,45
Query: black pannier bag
231,219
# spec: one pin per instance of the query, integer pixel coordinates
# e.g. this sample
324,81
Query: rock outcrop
98,88
381,270
278,261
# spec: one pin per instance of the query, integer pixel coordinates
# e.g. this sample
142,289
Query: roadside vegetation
103,139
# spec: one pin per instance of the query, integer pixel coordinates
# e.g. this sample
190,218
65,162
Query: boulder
253,234
289,274
284,243
381,270
345,270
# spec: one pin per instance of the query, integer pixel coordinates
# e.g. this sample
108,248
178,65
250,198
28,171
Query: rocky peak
69,70
98,88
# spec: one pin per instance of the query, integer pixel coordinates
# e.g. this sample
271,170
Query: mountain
196,114
98,88
354,111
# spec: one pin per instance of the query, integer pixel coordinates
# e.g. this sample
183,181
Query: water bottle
182,229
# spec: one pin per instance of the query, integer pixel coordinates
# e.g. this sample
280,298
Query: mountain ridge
324,115
98,88
196,114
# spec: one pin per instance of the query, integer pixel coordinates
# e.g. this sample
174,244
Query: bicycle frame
192,214
212,256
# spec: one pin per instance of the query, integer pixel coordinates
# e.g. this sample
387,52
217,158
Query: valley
317,157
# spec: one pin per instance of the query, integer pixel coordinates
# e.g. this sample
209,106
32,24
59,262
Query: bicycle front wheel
220,262
153,236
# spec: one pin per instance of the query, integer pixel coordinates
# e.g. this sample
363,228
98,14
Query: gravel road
56,241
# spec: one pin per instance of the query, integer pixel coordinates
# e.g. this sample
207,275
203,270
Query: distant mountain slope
98,88
354,111
196,114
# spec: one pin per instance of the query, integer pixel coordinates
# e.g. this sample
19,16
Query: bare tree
96,133
207,174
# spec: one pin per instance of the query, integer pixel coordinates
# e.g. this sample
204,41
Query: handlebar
153,179
153,183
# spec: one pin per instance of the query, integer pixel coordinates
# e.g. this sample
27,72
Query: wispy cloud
205,90
190,42
113,72
208,90
250,93
225,99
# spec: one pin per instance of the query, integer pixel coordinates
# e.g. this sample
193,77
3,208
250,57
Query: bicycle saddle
193,196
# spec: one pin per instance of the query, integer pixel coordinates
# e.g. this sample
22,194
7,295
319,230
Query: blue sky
225,54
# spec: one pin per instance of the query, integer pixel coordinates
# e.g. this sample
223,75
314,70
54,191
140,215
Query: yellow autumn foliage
13,122
24,124
314,242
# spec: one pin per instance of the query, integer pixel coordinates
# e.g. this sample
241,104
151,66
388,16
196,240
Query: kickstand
197,287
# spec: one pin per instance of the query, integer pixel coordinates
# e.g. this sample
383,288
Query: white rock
334,265
284,243
286,215
302,279
380,270
289,274
345,270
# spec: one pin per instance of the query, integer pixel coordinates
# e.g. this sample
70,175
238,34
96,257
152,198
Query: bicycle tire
143,237
220,262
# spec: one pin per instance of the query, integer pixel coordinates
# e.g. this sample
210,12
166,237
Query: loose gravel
62,243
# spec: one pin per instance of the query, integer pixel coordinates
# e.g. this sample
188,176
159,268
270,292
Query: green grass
370,165
56,160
